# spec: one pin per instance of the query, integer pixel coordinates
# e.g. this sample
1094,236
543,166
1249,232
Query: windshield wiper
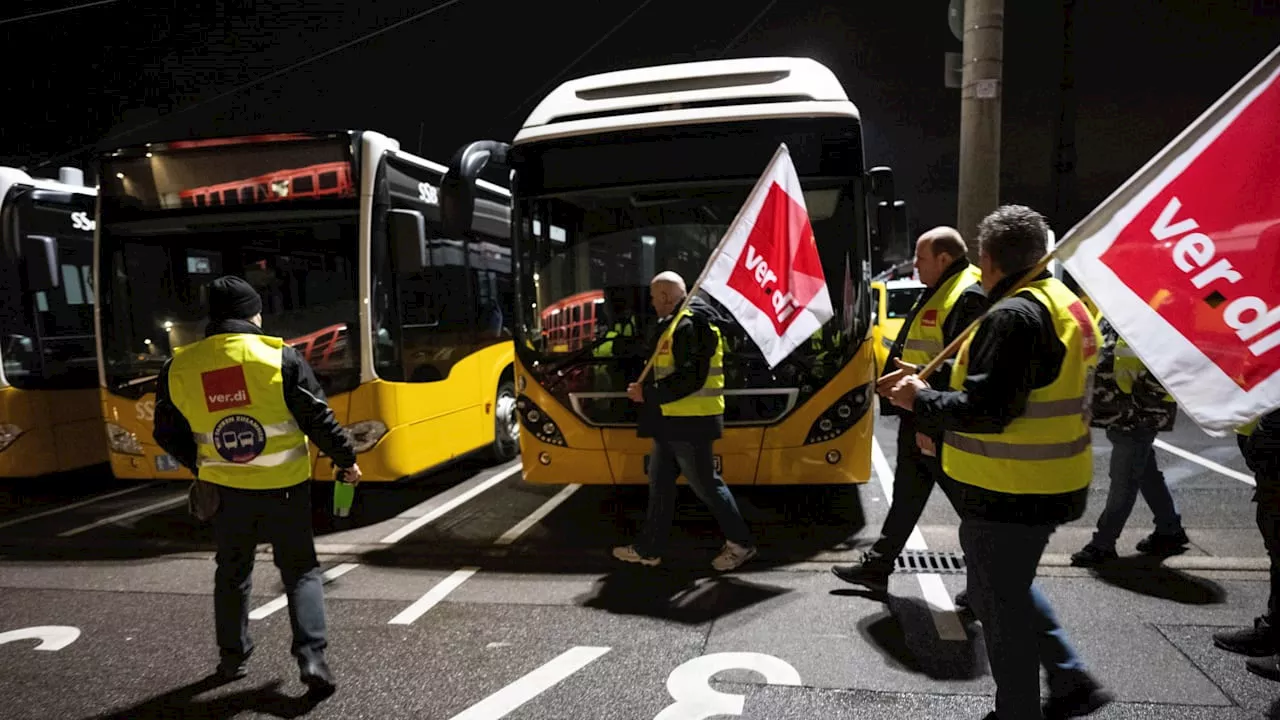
121,384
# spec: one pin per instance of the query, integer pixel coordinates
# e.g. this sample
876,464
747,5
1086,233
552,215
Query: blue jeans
1133,471
1018,623
282,517
696,461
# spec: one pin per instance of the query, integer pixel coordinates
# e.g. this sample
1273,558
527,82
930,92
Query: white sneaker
732,555
627,553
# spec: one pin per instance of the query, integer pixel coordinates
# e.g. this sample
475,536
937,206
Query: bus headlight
8,433
535,420
122,441
842,415
365,434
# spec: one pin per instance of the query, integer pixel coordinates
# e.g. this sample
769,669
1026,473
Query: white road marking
502,702
519,528
433,596
1233,474
126,515
283,601
455,497
72,506
935,593
51,637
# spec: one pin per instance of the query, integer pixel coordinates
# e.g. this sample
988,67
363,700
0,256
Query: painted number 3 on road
689,684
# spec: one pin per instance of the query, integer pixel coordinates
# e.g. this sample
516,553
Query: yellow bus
407,327
50,418
891,303
616,177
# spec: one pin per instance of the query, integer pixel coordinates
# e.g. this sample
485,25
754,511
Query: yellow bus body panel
773,455
61,431
427,423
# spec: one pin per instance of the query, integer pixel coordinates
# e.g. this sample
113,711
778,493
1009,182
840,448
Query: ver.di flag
1184,259
766,270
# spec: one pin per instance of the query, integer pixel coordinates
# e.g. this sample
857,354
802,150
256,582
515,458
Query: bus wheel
506,424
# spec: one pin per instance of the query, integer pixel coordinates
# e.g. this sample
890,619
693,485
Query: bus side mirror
458,187
407,230
40,262
882,183
891,220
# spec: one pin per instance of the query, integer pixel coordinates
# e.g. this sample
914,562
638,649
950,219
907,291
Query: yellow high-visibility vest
924,336
1048,449
1247,430
1127,367
230,388
709,400
605,349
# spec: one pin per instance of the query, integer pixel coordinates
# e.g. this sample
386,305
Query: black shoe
1258,641
962,600
1157,544
1082,701
869,572
229,670
1267,667
318,678
1090,556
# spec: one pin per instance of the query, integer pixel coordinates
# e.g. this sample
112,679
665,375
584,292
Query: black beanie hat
232,298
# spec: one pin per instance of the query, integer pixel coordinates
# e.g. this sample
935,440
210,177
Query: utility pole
980,115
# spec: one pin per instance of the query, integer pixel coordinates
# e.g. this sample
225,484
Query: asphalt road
469,595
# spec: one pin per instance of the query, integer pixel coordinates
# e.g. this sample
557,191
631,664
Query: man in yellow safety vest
236,409
953,298
683,412
1016,450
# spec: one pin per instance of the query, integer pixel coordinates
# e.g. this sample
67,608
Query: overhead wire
575,61
46,13
256,81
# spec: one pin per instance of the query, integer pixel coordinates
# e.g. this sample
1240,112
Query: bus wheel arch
506,420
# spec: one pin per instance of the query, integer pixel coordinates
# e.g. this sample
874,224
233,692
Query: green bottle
343,494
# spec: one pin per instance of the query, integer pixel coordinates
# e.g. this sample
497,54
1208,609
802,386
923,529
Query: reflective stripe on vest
924,336
709,400
230,388
1048,449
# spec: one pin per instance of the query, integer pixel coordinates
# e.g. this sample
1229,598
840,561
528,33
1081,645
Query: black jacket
1262,454
1014,351
692,345
969,307
302,393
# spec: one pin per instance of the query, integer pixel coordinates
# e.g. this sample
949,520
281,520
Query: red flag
767,271
1184,259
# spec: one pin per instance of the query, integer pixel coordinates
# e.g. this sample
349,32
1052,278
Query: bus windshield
155,294
587,253
46,337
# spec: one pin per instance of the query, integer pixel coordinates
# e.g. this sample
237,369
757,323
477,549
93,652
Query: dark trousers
1021,632
696,461
283,518
1267,497
1133,472
913,479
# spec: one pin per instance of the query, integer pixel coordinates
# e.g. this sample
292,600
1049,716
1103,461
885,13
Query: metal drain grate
917,561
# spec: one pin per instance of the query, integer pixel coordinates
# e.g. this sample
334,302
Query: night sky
1144,70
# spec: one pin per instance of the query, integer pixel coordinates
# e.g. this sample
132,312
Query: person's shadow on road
183,703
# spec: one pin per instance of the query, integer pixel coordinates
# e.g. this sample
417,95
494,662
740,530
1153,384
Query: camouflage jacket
1147,408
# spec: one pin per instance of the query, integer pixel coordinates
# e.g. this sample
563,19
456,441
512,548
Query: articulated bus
406,326
618,176
50,418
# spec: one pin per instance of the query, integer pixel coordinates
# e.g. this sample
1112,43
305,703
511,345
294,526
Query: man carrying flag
767,273
1016,452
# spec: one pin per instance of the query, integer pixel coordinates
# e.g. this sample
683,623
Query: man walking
953,298
1260,444
683,411
1132,406
1016,452
236,410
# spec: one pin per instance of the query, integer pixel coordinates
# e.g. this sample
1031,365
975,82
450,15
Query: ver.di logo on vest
225,388
239,438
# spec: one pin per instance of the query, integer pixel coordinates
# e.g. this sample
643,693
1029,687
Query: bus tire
506,424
